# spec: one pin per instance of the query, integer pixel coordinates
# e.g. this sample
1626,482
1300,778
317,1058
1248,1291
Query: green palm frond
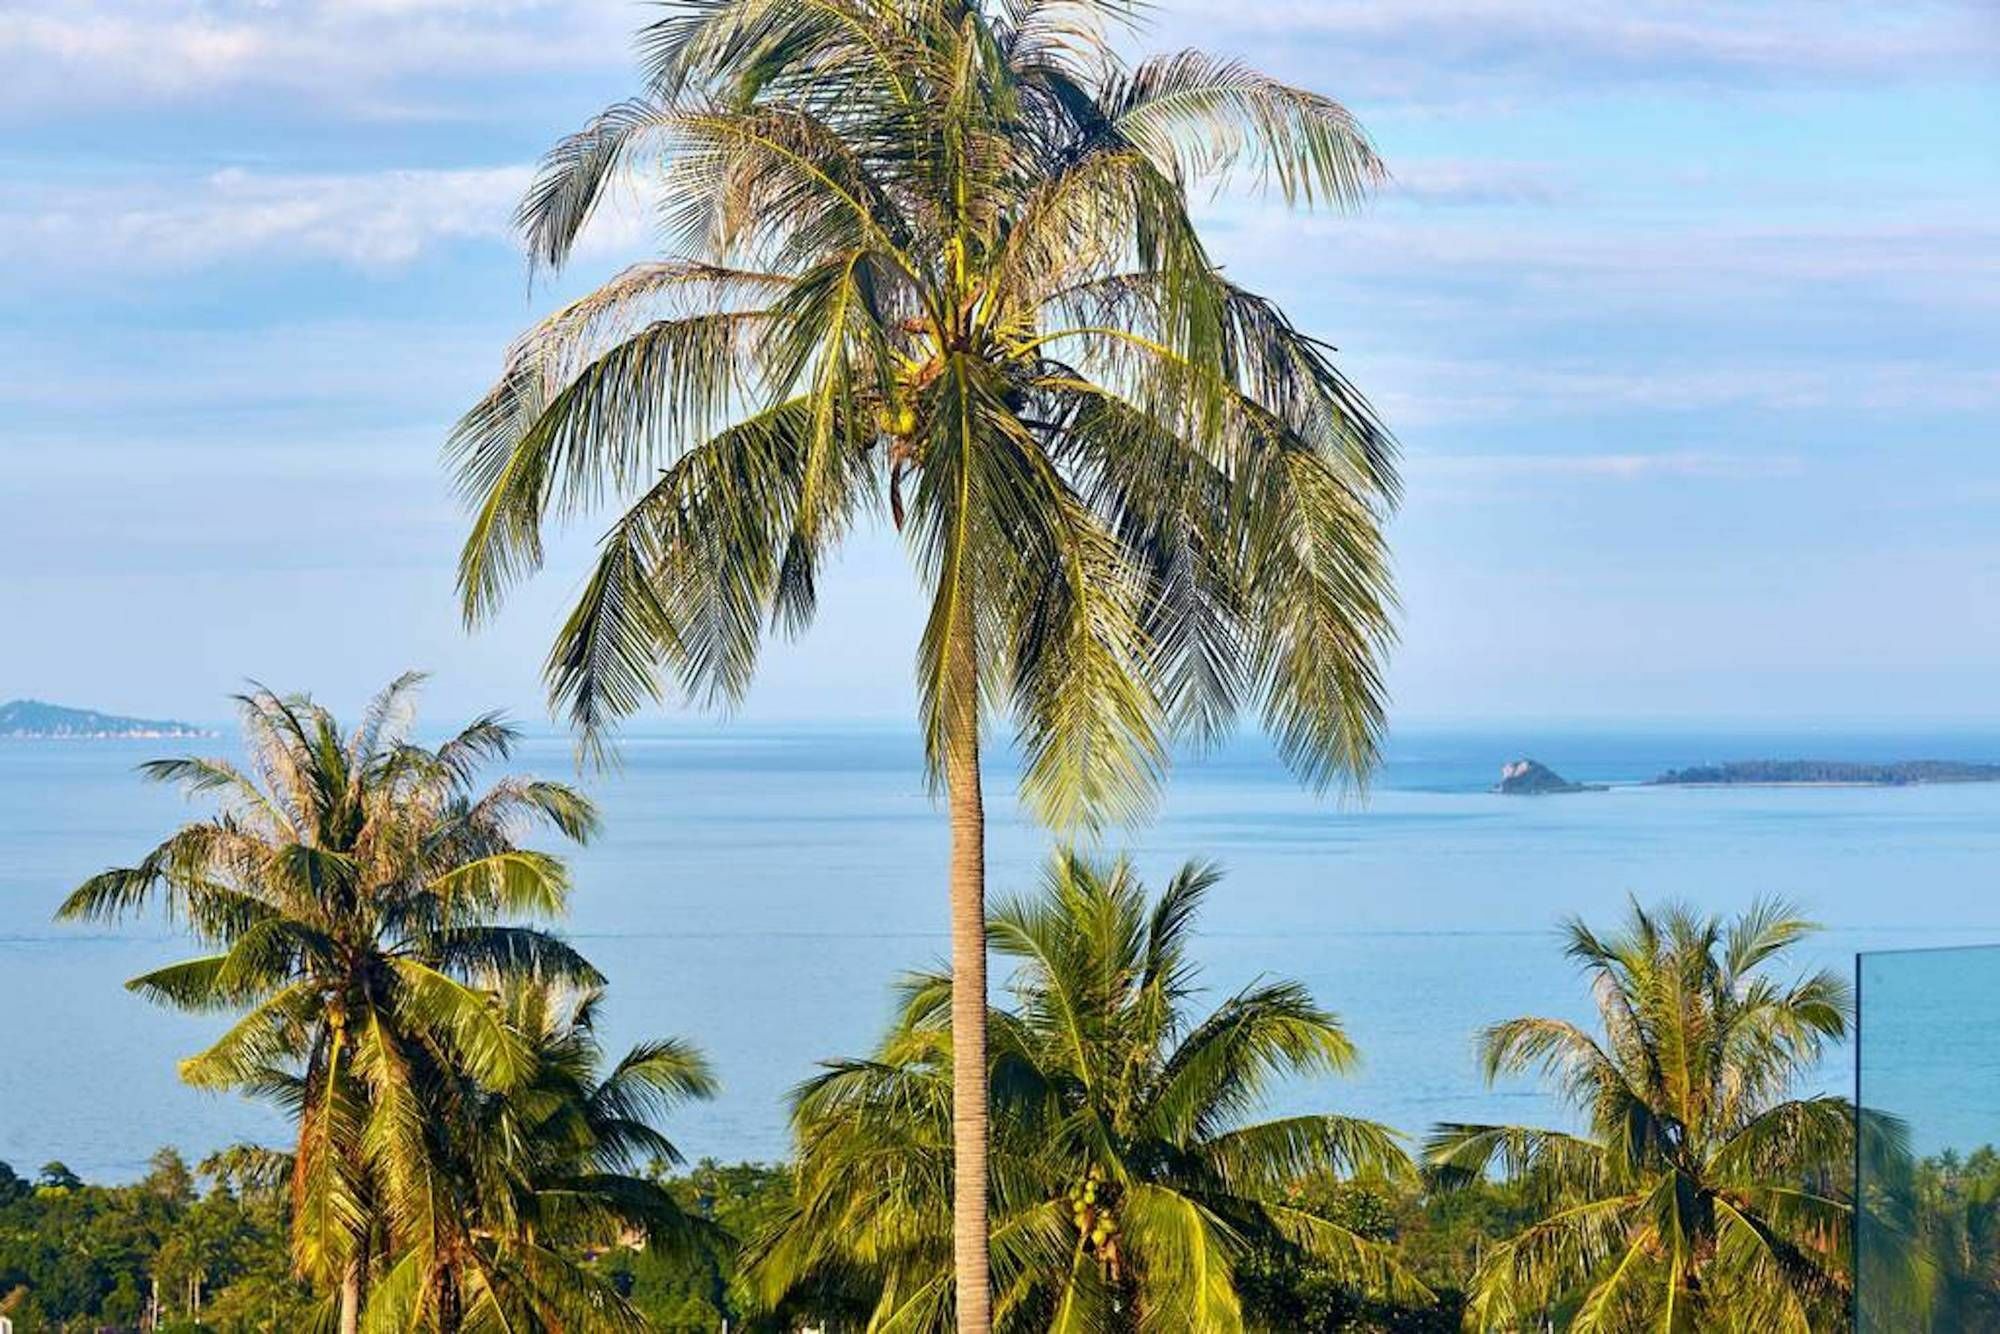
1265,1158
652,1079
275,1031
882,222
1190,1257
1199,117
427,1000
513,882
1226,1062
1109,1198
575,174
1698,1199
1371,1266
683,578
1456,1154
490,954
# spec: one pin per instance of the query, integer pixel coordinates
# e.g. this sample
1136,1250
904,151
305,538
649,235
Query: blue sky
1688,317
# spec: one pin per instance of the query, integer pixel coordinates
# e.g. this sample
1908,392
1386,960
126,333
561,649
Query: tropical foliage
180,1251
543,1175
1129,1184
697,1289
365,901
78,1256
930,264
1704,1196
1927,1251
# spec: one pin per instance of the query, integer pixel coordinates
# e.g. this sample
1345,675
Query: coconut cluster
1091,1201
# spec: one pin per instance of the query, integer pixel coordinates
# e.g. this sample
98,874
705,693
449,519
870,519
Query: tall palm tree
360,894
1705,1195
930,263
545,1173
1128,1180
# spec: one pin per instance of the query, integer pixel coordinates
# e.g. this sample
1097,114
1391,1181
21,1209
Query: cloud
1692,464
1495,392
356,54
1578,258
149,54
1425,48
1448,182
447,56
370,220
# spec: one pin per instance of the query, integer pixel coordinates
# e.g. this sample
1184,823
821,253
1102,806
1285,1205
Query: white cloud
157,55
1427,49
1495,392
370,219
381,55
1443,181
1695,464
367,55
373,220
1574,258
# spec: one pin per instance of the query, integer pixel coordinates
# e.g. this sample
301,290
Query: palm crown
544,1174
358,891
1128,1180
931,261
1704,1196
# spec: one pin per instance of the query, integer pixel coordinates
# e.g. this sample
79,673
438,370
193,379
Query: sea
759,889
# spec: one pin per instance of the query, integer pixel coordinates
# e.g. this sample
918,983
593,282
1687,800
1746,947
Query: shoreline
1828,782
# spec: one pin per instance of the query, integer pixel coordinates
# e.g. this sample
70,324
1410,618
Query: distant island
1532,778
30,719
1828,773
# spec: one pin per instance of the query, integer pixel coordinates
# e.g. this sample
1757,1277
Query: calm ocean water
758,890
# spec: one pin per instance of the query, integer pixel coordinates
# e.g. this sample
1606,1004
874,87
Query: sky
1687,317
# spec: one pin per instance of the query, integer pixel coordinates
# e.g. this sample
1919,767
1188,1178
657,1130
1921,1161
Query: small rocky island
30,719
1532,778
1827,773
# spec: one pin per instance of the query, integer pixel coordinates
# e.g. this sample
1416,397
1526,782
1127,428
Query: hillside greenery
33,718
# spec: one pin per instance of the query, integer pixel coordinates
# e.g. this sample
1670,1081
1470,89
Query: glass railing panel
1927,1081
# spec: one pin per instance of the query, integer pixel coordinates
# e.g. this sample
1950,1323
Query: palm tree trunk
968,994
350,1298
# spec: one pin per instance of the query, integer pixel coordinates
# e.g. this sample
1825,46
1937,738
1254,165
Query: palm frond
427,1000
1201,117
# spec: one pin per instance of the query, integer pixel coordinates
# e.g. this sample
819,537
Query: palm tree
1128,1180
358,892
930,263
547,1173
1704,1196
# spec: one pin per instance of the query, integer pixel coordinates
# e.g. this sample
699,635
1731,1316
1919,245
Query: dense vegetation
1897,774
1928,1243
83,1257
33,718
80,1257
